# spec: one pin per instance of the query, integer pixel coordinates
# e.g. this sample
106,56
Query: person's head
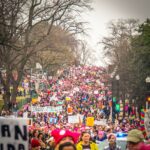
50,141
64,136
95,133
85,136
101,134
67,146
111,139
35,133
134,139
40,136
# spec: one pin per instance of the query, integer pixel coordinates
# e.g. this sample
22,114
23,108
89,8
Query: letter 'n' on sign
13,134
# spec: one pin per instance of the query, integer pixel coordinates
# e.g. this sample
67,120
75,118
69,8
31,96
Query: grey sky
107,10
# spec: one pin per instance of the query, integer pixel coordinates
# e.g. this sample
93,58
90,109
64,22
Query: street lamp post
113,111
117,79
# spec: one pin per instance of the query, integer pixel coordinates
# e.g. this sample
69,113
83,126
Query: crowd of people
69,140
82,91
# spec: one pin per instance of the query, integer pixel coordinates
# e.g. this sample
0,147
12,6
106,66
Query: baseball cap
135,136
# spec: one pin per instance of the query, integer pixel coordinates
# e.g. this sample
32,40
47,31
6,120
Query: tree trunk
6,98
7,94
14,93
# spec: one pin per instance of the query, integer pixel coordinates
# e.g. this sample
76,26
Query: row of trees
128,47
37,31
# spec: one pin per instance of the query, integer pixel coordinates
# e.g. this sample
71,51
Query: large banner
13,134
49,109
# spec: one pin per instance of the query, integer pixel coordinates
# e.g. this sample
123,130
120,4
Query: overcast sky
107,10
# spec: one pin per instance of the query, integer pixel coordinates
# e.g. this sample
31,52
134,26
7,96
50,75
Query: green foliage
128,47
140,58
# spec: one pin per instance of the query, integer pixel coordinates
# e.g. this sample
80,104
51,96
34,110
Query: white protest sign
101,122
73,119
14,134
46,109
147,122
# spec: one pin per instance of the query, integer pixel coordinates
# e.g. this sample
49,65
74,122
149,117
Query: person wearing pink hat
64,136
101,137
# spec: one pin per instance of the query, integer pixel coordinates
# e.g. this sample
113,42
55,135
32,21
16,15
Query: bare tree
83,53
18,18
117,47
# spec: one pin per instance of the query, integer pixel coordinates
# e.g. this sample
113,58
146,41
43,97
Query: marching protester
67,146
40,137
64,136
135,140
50,144
112,143
73,104
86,142
35,144
101,137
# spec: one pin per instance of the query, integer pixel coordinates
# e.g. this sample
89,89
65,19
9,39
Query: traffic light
117,107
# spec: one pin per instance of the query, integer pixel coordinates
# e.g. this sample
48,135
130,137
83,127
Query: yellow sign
34,100
90,121
68,98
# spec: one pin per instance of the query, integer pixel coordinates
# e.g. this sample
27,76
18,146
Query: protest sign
101,122
69,110
34,100
90,121
53,120
147,122
14,134
60,102
46,109
73,119
68,98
